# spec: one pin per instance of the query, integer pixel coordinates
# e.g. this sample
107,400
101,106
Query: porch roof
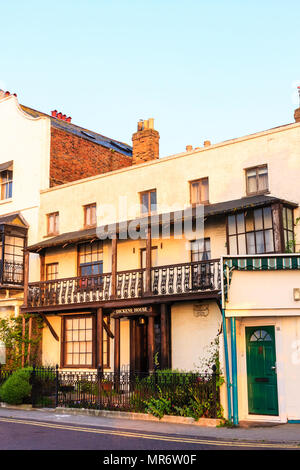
210,210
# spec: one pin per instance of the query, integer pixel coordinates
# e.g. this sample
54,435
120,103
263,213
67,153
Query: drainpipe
228,381
234,373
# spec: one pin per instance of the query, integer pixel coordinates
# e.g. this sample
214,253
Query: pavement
277,433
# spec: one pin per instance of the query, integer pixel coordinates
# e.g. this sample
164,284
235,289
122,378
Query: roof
14,218
210,210
86,134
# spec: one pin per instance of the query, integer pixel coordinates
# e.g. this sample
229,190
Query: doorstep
209,422
258,424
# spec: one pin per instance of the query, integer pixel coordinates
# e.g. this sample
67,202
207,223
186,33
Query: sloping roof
86,134
210,210
14,218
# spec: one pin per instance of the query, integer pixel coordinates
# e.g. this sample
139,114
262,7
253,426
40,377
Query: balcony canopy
210,210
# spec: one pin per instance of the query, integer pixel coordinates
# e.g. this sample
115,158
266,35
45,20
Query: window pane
262,179
269,241
145,203
231,225
232,245
289,219
260,247
240,223
251,181
195,197
88,359
250,243
258,219
153,201
242,244
249,221
204,190
267,217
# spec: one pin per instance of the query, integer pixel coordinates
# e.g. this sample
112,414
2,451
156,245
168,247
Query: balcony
176,281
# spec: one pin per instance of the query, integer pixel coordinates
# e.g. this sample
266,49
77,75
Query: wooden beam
164,337
23,341
132,323
42,266
114,267
148,260
151,344
117,346
29,339
100,337
55,336
26,276
108,331
278,228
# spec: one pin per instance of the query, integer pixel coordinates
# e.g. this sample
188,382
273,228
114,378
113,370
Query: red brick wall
145,146
73,158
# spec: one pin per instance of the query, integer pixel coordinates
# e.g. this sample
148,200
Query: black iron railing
125,391
12,273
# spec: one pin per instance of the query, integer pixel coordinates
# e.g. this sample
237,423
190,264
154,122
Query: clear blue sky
203,69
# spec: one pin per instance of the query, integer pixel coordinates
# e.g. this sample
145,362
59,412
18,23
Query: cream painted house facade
30,162
134,300
24,158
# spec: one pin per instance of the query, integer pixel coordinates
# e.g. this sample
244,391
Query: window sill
258,193
51,235
6,201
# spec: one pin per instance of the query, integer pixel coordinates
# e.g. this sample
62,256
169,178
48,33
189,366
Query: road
29,434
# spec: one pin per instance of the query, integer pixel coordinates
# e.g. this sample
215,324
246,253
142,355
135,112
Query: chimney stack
297,111
145,142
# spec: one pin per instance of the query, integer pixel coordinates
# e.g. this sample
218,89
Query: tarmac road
30,434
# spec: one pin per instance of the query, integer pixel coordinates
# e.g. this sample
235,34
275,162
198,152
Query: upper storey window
257,180
199,191
90,215
6,180
148,202
53,223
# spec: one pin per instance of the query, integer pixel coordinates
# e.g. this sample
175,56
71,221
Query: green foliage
17,388
159,406
11,334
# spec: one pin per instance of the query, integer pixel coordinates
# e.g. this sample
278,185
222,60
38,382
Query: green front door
261,370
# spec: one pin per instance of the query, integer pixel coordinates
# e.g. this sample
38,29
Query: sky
203,69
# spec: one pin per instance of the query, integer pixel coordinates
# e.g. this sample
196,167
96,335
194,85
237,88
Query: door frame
242,323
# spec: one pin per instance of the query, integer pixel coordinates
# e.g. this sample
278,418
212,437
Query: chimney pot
189,148
54,113
7,93
68,119
207,143
64,117
59,115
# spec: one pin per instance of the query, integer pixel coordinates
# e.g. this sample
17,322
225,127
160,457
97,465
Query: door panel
261,371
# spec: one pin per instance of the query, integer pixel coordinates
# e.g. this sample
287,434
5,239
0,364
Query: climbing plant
17,344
